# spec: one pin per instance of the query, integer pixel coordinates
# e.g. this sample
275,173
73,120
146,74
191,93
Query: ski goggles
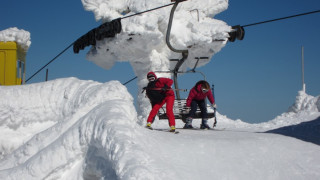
205,90
151,78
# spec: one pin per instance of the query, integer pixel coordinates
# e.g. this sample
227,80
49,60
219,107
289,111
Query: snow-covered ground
74,129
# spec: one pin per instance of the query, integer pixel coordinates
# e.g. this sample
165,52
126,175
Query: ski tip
150,128
174,132
220,129
166,130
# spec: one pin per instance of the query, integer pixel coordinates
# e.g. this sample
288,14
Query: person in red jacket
160,87
197,97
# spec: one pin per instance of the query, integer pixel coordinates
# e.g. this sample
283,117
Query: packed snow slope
74,129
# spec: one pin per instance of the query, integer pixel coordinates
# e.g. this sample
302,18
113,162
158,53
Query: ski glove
214,105
165,88
186,109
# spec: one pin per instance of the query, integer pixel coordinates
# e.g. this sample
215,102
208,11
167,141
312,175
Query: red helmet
151,75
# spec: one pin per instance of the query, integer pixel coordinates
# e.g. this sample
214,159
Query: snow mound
76,124
71,129
305,102
306,108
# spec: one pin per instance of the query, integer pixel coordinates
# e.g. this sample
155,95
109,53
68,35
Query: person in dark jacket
162,85
197,97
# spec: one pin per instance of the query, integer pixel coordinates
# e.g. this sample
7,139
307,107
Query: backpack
154,94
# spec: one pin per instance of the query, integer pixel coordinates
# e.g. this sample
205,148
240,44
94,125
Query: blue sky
255,79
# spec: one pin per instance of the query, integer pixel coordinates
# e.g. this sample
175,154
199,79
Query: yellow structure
12,64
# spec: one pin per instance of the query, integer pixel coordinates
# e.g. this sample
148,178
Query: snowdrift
73,123
74,129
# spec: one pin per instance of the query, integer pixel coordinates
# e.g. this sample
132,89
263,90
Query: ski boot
148,126
172,129
204,124
188,124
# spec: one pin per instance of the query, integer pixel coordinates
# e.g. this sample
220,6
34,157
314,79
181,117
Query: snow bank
71,129
305,102
22,37
304,109
73,124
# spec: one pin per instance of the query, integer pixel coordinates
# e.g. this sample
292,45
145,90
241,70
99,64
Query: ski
198,129
215,129
175,132
150,128
166,130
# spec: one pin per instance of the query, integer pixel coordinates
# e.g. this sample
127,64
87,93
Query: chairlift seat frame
179,111
179,106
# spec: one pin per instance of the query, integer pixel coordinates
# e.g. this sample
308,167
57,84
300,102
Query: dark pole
215,109
47,75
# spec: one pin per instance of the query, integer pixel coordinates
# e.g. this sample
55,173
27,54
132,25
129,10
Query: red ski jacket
161,82
197,94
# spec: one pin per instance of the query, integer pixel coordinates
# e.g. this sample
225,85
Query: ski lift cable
262,22
278,19
317,11
74,41
130,80
50,61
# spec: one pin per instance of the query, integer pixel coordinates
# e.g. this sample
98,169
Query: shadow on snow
306,131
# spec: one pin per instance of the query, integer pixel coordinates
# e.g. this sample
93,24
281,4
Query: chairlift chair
179,108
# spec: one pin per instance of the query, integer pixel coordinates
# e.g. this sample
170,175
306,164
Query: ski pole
214,109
